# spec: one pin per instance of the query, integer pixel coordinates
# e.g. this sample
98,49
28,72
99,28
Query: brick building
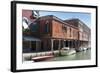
50,33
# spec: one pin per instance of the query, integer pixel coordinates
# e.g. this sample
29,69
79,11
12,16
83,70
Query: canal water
83,55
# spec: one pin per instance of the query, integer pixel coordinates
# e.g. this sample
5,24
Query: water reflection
84,55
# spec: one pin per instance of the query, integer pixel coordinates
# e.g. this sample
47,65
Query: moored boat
68,52
41,58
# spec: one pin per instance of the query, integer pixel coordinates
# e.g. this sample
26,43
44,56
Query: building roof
75,20
30,38
57,19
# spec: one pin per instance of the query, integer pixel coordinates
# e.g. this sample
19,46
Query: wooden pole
52,46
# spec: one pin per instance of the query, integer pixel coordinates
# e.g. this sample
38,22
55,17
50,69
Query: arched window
46,28
64,28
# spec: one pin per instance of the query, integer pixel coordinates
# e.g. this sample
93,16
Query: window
64,28
46,27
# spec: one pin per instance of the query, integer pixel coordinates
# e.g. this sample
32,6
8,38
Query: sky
84,17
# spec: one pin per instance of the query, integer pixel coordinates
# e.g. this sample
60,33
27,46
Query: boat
68,52
80,49
84,49
65,48
42,58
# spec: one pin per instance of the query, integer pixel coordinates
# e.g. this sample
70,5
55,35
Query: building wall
75,34
80,36
53,28
84,30
45,27
60,30
57,31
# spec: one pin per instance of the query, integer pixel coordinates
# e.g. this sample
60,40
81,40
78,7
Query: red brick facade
53,28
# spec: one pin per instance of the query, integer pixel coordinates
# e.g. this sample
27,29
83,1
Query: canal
83,55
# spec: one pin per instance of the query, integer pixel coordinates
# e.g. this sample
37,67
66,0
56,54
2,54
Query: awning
30,38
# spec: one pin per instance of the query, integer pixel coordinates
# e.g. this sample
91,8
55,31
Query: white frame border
21,66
